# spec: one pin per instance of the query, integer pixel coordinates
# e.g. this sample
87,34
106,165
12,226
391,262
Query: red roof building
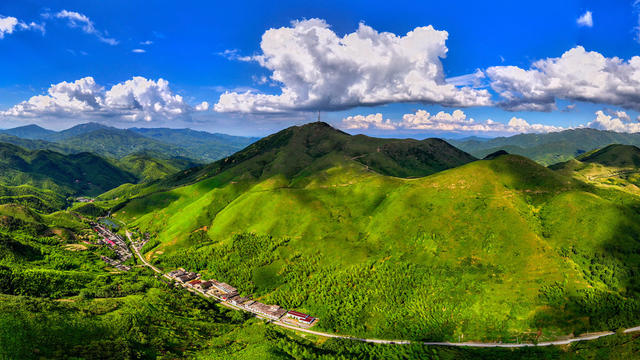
302,317
296,314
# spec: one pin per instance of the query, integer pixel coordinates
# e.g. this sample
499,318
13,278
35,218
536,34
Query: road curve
407,342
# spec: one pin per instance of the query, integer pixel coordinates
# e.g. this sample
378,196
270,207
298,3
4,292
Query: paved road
143,259
406,342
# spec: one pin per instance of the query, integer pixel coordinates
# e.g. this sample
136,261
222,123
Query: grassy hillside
549,148
612,167
150,166
489,250
59,300
74,174
614,155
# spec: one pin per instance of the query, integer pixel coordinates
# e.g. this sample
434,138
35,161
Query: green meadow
501,249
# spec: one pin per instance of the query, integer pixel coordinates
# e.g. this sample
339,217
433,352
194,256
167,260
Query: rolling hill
116,143
74,174
548,148
400,238
147,165
612,167
32,132
204,146
614,155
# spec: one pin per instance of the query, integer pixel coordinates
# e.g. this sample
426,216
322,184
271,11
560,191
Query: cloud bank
457,121
318,70
620,123
134,99
577,75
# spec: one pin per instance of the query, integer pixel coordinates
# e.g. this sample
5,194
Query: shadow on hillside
612,298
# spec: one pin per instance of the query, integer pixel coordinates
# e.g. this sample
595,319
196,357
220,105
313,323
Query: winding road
585,337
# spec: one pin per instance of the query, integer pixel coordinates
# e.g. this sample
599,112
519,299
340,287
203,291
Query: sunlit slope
149,166
490,249
612,167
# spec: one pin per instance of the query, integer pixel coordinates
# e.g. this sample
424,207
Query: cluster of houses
229,294
116,243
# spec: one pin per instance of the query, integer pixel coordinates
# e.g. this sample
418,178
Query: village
192,281
116,243
228,294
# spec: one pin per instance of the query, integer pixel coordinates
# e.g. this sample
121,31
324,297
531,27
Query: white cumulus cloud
78,20
586,19
371,121
456,121
134,99
578,75
10,24
618,124
317,69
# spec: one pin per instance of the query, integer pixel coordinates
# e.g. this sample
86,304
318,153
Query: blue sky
184,43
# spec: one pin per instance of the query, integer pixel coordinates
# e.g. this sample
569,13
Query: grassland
493,249
58,300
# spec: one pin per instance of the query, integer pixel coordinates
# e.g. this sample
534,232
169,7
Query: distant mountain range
116,143
40,168
548,148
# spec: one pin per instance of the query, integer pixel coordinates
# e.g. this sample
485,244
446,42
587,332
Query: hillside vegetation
314,219
201,145
548,148
118,143
82,173
148,166
612,167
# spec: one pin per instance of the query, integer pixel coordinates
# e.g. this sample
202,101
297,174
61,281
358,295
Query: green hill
612,167
614,155
302,149
201,145
34,144
117,143
74,174
548,148
32,132
317,220
149,166
77,130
